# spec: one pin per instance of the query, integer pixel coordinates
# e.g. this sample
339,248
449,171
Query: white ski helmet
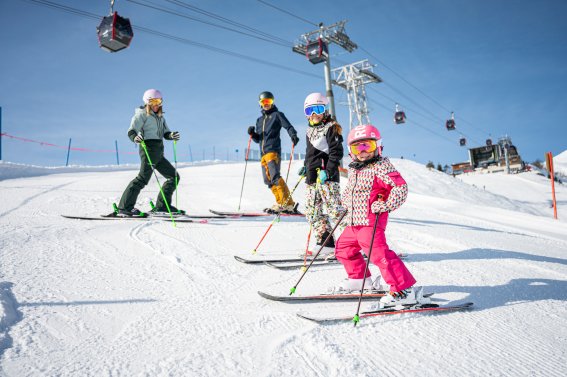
316,99
151,94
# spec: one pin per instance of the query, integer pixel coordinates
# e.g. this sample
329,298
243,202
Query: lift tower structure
353,78
315,44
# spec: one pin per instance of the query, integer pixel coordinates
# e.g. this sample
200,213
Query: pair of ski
253,214
294,263
201,219
366,295
177,219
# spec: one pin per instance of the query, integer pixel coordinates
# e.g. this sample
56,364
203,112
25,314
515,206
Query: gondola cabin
317,51
114,33
462,142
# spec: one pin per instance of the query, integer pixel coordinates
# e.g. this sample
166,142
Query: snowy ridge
125,298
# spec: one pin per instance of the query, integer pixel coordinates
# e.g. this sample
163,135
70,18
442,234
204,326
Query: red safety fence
46,144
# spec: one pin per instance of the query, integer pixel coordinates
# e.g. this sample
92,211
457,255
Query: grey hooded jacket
152,127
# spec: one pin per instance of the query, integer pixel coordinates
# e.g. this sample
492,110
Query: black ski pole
292,290
244,176
356,318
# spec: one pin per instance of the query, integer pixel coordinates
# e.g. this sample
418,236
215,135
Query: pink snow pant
356,238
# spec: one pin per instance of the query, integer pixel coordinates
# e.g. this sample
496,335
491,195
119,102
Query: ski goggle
266,101
155,101
368,146
317,109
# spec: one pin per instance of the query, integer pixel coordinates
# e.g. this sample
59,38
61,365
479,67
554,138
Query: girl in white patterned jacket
374,190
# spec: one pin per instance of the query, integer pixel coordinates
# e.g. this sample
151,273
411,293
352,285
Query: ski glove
301,172
251,130
175,135
322,176
294,140
379,206
138,139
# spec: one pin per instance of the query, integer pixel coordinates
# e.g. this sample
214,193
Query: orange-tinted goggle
368,146
266,101
155,101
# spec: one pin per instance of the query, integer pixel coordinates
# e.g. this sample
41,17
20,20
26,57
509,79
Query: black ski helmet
265,95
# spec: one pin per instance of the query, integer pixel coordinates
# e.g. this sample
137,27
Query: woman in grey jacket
149,126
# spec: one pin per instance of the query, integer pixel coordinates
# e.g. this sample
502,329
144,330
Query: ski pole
290,160
244,176
175,160
356,317
277,218
143,144
292,290
307,248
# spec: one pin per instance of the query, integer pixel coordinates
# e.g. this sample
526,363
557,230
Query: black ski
262,261
351,296
292,265
147,218
425,308
324,296
252,214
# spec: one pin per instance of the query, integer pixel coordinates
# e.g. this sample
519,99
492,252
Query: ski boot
273,210
406,297
352,285
291,209
134,212
162,211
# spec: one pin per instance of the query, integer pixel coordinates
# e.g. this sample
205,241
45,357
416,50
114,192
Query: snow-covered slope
146,298
560,163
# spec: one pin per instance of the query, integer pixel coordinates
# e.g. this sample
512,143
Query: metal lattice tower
353,78
334,33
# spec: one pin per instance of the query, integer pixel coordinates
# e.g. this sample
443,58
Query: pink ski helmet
151,94
365,132
316,99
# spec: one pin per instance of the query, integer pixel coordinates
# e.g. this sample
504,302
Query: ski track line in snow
32,197
134,234
178,255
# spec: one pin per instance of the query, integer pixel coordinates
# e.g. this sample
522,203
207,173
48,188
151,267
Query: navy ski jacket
268,128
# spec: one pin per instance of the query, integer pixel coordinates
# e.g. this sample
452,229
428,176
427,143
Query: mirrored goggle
267,101
317,109
368,146
155,101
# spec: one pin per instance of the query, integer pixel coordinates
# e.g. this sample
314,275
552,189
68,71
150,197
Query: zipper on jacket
352,198
263,135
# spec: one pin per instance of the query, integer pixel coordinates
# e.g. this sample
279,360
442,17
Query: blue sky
500,65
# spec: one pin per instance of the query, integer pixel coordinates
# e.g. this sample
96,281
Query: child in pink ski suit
374,190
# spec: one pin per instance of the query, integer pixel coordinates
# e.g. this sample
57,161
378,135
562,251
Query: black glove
251,130
301,172
294,140
175,135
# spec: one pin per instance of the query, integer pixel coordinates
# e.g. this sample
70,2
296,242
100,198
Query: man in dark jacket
267,134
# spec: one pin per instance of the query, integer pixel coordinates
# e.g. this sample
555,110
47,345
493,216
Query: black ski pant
162,165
